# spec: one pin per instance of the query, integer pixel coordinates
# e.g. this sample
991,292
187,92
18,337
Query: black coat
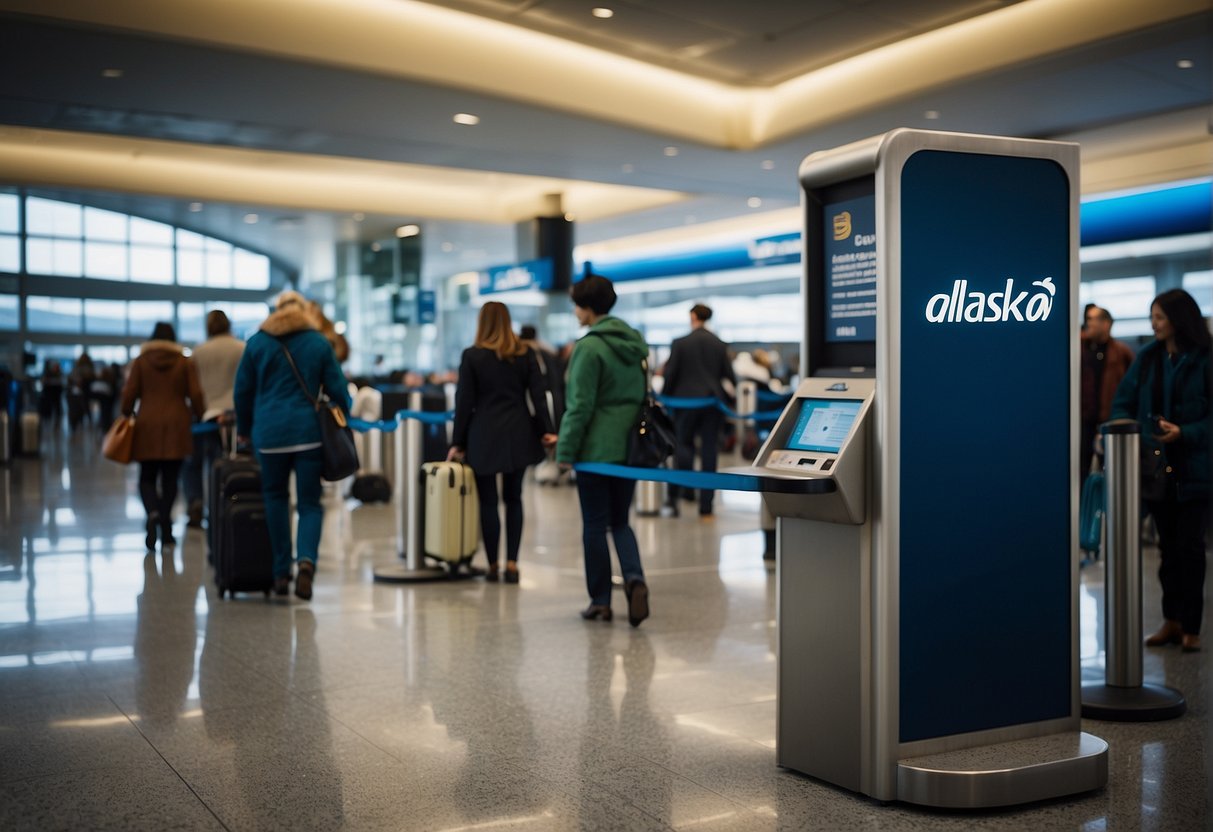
697,364
493,423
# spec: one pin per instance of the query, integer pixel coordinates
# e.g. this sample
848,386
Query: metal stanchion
406,502
1123,696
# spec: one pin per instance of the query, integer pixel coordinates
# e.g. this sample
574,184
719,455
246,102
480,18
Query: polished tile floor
132,698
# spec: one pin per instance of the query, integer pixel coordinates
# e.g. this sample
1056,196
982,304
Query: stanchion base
1148,703
401,574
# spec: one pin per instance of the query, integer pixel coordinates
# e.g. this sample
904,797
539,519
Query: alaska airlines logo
842,225
978,307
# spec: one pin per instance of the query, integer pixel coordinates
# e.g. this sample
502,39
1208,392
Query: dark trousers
158,488
194,474
605,502
703,425
490,521
1181,546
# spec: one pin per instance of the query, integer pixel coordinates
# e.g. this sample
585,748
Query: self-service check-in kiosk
927,582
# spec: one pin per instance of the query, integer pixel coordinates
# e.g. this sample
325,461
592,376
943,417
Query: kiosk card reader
927,580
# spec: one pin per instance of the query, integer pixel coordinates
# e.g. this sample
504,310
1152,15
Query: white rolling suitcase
452,512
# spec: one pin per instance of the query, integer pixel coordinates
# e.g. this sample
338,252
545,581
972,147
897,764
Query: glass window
105,317
191,322
52,218
143,316
10,253
247,317
218,264
251,271
1127,298
188,239
1200,286
49,256
104,260
189,267
153,233
53,314
10,213
110,355
151,264
10,313
104,225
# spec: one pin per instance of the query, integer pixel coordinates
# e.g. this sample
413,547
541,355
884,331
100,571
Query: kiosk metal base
401,574
1146,703
1005,774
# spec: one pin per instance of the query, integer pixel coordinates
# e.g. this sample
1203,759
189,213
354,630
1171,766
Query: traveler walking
216,361
698,367
1167,390
273,412
495,431
605,387
165,384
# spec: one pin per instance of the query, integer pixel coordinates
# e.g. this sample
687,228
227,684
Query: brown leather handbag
119,440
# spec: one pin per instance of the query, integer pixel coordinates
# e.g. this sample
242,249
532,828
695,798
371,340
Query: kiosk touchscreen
818,434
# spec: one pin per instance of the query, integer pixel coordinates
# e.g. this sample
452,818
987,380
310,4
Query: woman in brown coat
161,379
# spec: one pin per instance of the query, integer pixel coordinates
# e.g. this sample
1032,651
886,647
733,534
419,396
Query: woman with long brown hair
495,430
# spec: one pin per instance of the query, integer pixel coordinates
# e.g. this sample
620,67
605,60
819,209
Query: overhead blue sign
427,306
533,274
774,251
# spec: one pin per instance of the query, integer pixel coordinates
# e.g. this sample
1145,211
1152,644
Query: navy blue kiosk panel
985,443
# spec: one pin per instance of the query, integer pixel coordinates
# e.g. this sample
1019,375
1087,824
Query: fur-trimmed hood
291,318
161,354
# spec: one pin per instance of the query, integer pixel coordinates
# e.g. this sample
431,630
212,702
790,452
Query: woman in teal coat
1167,390
605,388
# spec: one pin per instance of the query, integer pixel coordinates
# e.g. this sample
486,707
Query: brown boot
1169,633
303,581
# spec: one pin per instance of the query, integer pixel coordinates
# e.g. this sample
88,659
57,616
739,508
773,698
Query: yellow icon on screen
842,225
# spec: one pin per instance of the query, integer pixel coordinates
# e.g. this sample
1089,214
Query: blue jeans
196,471
275,487
605,502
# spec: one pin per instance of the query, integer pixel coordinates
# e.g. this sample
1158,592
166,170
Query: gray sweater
216,360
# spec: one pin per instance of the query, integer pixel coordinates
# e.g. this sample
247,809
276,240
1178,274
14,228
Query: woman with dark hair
165,384
494,428
1167,390
603,394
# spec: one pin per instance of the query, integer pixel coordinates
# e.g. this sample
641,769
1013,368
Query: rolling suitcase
1090,515
31,430
452,512
239,532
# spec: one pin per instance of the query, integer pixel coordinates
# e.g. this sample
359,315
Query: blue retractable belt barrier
204,427
427,418
711,480
680,403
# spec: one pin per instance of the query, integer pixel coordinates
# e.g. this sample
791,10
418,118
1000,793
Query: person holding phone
1167,390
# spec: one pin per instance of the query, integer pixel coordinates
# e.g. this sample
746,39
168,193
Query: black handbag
336,437
651,441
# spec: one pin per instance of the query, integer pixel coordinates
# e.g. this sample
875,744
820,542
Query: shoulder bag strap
299,376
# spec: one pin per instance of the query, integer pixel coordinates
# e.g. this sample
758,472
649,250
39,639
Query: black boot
153,523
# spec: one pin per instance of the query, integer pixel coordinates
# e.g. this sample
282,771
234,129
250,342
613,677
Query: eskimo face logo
842,225
963,306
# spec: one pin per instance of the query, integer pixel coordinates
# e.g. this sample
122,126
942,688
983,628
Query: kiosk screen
823,424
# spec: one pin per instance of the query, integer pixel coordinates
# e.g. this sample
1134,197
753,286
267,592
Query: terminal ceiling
310,111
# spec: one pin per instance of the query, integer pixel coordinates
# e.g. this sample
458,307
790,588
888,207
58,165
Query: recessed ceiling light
359,217
570,217
466,118
768,164
448,247
754,202
408,231
375,246
670,151
1185,63
111,73
931,115
628,168
195,207
602,12
251,219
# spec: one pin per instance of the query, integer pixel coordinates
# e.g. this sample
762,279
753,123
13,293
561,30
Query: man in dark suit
698,365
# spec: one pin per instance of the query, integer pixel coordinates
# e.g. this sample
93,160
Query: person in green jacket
606,385
1167,390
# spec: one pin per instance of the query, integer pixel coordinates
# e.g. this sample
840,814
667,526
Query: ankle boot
153,523
303,581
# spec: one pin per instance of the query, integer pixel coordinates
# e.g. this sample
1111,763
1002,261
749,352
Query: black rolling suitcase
239,535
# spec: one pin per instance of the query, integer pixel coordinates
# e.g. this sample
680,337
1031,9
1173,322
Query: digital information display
823,424
850,269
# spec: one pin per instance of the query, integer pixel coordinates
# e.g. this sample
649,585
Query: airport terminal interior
403,162
133,698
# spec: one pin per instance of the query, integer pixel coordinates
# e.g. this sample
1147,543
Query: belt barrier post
747,406
407,505
1123,697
